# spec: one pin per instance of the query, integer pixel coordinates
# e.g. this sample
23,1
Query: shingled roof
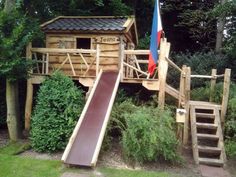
107,23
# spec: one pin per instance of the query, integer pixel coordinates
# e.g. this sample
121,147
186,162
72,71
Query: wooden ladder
207,135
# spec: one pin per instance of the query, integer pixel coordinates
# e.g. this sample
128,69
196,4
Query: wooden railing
134,67
87,57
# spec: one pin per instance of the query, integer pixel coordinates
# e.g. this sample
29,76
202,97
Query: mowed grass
15,166
12,165
18,166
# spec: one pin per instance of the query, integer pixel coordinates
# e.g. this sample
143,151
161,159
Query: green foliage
57,109
144,43
200,63
230,148
119,8
149,135
16,30
230,124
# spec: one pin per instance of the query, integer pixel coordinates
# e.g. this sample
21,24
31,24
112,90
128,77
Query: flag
155,38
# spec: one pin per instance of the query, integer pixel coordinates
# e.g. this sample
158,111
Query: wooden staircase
207,135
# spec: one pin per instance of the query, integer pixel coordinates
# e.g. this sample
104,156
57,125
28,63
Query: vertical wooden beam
213,84
225,95
97,59
47,63
187,106
122,56
162,71
29,94
182,86
180,127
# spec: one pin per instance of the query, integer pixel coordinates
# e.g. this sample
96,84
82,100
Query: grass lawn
17,166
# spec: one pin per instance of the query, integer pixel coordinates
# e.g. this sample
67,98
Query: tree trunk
12,95
220,30
13,119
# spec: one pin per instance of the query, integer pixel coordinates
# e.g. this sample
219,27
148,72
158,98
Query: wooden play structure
99,52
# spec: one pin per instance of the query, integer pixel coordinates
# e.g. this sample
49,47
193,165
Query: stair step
205,115
209,149
206,126
209,161
207,136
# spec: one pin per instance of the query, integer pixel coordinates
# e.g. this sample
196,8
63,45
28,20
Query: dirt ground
113,158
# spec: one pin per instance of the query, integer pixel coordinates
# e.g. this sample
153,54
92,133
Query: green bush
230,148
149,136
230,124
58,105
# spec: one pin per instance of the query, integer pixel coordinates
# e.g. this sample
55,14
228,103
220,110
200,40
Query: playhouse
99,52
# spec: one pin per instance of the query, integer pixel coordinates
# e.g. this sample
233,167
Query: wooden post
187,106
182,86
97,60
47,63
225,95
162,71
29,94
213,84
122,56
180,127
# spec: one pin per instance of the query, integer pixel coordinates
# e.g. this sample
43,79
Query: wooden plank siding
109,46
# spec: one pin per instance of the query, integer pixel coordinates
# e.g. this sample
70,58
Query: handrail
56,50
207,76
137,52
173,64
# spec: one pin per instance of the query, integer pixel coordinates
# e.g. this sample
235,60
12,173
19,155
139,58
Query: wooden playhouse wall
109,46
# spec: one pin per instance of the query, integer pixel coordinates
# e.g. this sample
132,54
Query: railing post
182,86
122,56
47,63
187,89
97,59
162,71
213,85
225,95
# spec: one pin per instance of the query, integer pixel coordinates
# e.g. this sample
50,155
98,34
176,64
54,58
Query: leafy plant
230,148
149,136
58,105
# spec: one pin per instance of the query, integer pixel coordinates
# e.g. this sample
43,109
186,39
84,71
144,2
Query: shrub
149,136
58,105
230,124
230,148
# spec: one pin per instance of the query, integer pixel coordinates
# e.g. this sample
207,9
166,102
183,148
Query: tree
220,29
16,30
189,24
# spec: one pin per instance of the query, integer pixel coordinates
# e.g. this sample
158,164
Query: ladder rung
209,161
209,149
207,136
205,115
206,125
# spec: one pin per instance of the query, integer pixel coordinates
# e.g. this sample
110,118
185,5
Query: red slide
85,142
